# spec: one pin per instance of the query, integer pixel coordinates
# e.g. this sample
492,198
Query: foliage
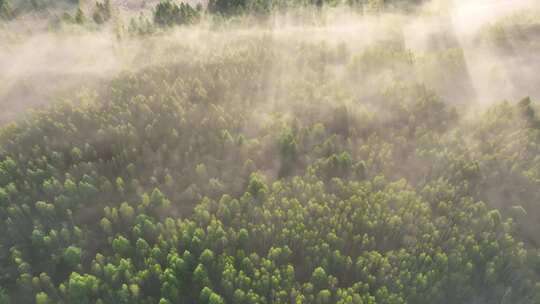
168,13
6,11
102,12
262,171
80,18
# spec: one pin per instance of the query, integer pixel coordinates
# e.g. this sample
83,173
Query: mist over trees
269,152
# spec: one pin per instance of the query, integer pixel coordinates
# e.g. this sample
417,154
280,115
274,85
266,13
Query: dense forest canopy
252,151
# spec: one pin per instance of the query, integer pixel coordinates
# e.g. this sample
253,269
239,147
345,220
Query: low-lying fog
469,51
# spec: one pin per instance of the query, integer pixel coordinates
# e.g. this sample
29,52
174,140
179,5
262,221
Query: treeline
170,12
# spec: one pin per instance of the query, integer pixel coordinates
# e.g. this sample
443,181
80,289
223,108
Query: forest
270,151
